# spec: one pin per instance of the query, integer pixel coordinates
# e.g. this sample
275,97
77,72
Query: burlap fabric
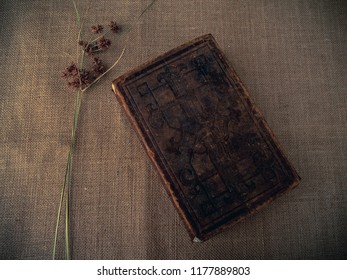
292,56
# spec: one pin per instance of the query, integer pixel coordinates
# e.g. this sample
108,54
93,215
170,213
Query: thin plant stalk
67,183
67,178
60,206
66,188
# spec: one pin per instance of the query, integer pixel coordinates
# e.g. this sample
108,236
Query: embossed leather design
212,147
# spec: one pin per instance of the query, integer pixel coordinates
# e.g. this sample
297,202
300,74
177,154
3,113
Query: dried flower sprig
79,77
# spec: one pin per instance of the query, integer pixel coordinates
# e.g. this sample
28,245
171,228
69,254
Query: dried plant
80,75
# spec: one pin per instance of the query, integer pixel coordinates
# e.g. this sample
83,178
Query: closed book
212,147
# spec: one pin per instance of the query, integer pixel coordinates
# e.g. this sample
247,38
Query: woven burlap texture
292,57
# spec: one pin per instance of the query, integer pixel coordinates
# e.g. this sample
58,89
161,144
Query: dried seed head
103,43
114,27
70,71
77,78
98,66
97,29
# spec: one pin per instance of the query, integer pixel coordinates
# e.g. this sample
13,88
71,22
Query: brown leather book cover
215,153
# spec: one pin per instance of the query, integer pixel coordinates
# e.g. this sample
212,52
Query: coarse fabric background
292,57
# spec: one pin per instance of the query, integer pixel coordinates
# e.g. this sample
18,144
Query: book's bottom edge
202,237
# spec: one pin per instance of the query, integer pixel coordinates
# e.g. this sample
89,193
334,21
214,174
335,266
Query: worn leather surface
292,57
211,145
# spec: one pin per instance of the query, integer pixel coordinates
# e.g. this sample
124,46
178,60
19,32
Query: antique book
212,147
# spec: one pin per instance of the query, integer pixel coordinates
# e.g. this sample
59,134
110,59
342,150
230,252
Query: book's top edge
195,42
